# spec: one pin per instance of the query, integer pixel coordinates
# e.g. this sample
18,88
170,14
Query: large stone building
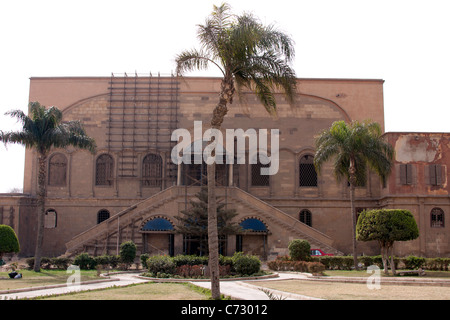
130,189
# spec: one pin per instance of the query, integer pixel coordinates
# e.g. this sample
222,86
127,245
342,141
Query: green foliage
128,252
190,260
386,226
8,240
85,261
144,257
300,250
413,262
159,264
246,264
285,263
360,143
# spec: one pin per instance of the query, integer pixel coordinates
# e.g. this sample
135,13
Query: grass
145,291
43,278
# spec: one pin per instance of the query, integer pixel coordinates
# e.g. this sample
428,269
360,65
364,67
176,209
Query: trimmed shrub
191,260
413,262
246,264
161,265
8,240
300,250
128,252
85,261
144,257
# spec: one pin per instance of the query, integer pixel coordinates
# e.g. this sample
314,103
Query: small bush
161,264
300,250
8,240
144,257
413,262
246,264
128,252
191,260
85,261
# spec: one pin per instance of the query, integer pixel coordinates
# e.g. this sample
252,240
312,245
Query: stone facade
130,187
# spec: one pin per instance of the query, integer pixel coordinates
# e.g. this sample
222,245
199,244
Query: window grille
104,170
152,170
307,172
305,217
258,179
437,218
102,215
57,170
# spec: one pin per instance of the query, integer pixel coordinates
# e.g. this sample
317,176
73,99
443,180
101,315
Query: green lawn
43,278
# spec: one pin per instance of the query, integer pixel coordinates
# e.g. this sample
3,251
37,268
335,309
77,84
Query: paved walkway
237,289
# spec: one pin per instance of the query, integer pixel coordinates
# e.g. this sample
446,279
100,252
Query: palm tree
249,55
43,130
354,147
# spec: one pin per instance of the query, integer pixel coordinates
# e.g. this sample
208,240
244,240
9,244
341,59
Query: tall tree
43,130
194,221
249,55
387,226
355,147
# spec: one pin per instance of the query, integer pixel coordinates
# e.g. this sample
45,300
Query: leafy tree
43,130
194,221
386,226
354,147
8,240
128,252
249,55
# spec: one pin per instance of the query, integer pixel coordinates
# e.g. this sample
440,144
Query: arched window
50,219
152,170
305,217
307,172
102,215
257,178
57,170
104,168
437,218
253,225
158,224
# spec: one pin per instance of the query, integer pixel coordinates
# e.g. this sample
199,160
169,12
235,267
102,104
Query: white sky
406,43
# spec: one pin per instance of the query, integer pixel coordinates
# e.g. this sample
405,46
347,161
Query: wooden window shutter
435,174
406,173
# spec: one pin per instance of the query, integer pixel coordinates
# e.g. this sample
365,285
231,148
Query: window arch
305,217
102,215
57,170
307,171
104,168
152,170
437,218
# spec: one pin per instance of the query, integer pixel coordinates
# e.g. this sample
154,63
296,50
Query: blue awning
158,224
253,225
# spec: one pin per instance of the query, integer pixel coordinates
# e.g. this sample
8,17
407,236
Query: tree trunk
352,173
384,257
226,94
391,258
40,211
213,239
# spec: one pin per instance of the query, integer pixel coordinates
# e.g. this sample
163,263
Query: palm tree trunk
226,94
213,239
352,173
40,212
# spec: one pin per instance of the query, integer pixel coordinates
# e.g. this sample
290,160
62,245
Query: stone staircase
106,237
